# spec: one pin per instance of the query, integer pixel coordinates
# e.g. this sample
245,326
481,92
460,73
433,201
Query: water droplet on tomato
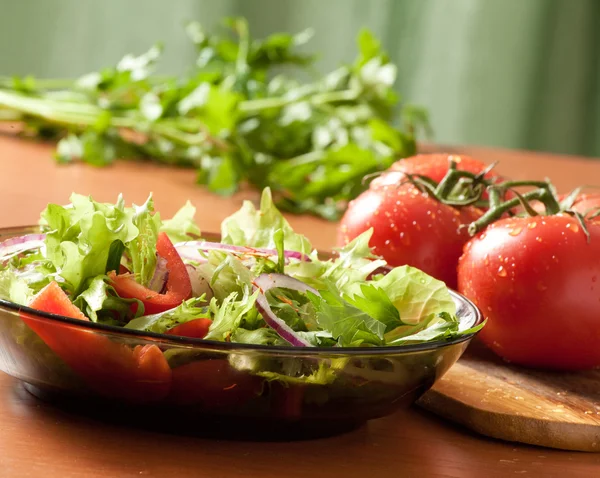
573,227
414,223
404,239
532,225
387,242
376,212
501,271
515,232
538,238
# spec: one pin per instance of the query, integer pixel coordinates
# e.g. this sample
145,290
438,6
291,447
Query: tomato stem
495,213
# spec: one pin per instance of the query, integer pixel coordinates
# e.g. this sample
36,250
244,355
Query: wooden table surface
38,440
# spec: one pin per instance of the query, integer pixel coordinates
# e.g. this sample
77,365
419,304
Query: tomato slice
112,369
178,287
197,329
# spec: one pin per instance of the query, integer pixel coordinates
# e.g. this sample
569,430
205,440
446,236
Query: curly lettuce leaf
257,228
142,249
229,314
227,274
13,288
79,236
181,227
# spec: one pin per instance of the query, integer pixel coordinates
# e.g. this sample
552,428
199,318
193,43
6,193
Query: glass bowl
217,381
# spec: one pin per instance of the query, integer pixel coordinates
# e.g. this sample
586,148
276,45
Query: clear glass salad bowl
209,380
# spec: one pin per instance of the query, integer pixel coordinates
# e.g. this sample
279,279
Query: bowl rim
234,346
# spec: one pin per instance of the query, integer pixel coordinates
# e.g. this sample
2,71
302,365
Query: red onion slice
160,277
264,282
18,245
200,283
189,250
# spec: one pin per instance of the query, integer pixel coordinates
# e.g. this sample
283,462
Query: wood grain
39,440
489,396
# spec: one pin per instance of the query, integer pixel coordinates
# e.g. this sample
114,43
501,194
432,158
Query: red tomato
410,227
587,204
178,285
197,328
141,374
537,280
434,166
213,384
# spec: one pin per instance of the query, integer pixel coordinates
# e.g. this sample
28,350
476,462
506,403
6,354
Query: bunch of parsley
238,115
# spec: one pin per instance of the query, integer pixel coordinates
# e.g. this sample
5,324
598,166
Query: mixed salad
263,284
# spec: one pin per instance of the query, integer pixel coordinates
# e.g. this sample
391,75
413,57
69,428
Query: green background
514,73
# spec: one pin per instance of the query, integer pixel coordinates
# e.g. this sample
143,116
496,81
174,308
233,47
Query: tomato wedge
197,329
141,374
178,287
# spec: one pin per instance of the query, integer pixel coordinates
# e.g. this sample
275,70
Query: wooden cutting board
491,397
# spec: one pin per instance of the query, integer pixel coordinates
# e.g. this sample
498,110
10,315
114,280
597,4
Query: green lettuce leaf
436,327
354,263
100,302
13,288
79,237
142,248
181,227
191,309
262,336
229,314
350,326
376,303
227,274
415,294
257,228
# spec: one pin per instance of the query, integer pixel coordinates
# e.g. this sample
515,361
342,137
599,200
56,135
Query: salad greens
347,300
238,115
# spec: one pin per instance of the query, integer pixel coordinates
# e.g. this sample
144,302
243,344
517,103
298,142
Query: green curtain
514,73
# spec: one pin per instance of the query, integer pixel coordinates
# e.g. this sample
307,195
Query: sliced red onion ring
160,277
264,282
189,250
17,245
